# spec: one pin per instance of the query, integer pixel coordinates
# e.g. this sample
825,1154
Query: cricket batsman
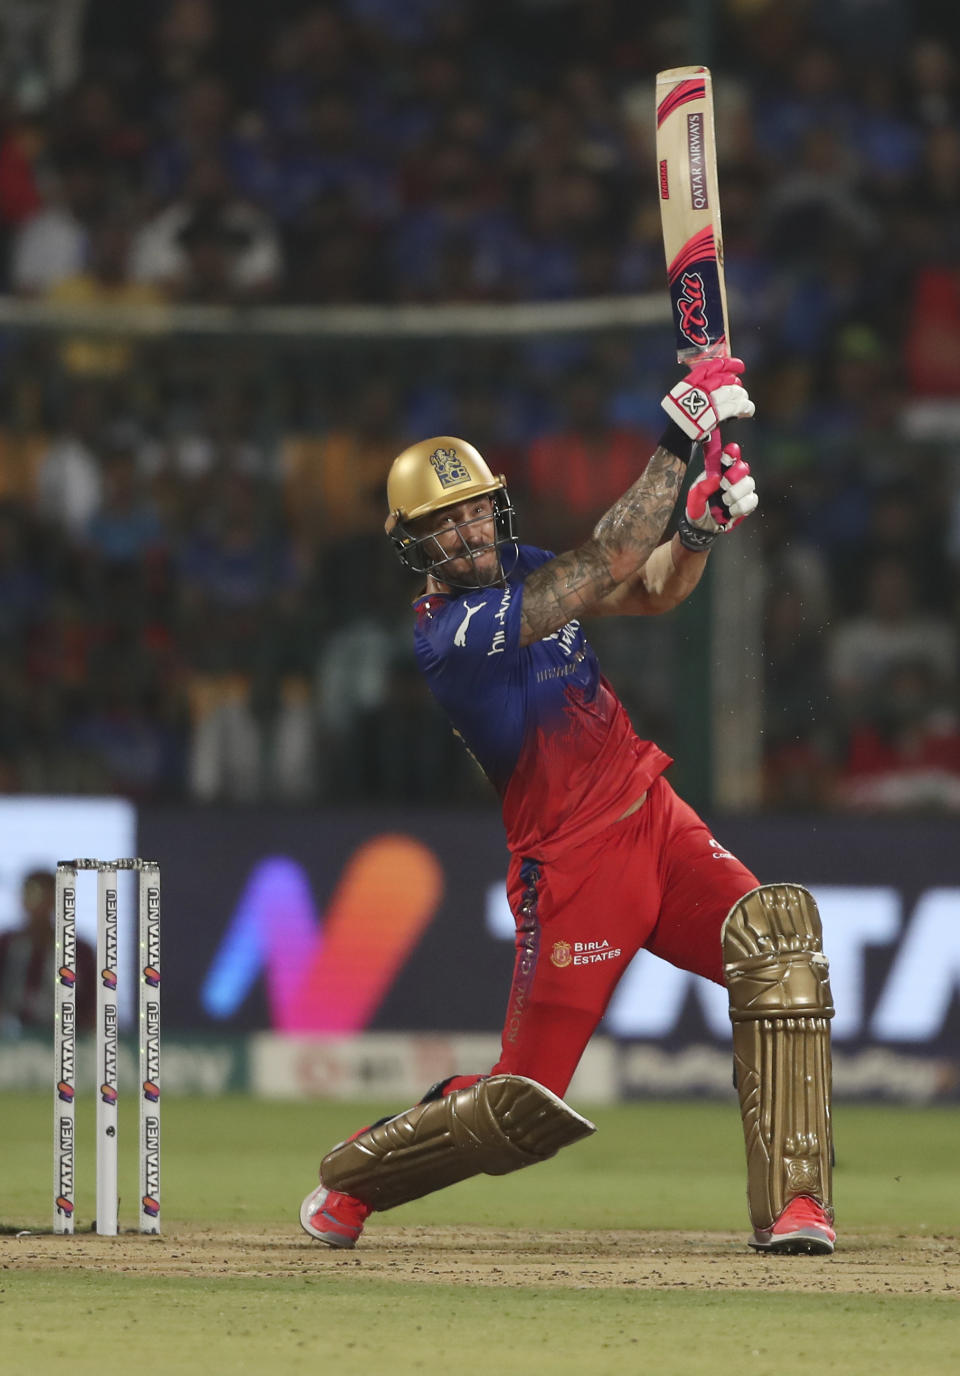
606,859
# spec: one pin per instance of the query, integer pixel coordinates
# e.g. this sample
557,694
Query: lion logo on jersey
561,955
449,468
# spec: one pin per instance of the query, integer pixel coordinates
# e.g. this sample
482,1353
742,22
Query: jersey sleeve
469,638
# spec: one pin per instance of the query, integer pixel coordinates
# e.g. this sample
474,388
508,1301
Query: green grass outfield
237,1169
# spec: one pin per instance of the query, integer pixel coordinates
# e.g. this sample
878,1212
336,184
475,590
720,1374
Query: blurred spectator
934,82
185,38
798,774
397,754
234,561
933,335
126,528
201,132
291,751
883,136
52,244
27,968
125,728
905,756
891,630
816,203
332,257
453,241
93,124
69,481
354,672
356,665
814,98
574,473
19,197
310,52
327,156
333,483
58,650
211,431
210,245
865,394
24,588
906,521
225,745
104,283
544,261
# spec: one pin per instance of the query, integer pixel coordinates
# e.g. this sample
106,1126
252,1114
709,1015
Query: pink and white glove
720,498
710,393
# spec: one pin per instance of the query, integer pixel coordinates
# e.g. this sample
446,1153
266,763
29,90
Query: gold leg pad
780,1005
491,1128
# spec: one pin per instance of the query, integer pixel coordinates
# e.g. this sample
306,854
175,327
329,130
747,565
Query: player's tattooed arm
667,578
622,541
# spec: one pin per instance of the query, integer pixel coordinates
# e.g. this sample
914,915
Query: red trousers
657,880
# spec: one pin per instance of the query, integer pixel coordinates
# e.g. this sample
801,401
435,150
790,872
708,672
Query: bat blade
690,213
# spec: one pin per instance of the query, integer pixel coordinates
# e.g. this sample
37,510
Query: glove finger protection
720,498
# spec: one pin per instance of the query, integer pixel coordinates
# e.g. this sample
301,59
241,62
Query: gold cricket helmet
433,474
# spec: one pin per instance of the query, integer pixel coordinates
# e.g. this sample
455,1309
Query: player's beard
471,574
488,570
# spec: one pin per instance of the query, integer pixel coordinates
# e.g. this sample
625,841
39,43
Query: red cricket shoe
804,1226
334,1218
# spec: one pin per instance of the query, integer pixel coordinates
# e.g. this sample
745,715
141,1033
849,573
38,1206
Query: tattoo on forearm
622,541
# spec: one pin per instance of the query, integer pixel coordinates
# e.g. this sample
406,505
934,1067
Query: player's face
464,538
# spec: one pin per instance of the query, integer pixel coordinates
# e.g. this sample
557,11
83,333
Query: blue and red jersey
541,720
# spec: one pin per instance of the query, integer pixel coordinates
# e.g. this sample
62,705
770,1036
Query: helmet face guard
425,480
424,554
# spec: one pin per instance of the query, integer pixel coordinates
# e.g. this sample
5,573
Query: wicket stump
107,1045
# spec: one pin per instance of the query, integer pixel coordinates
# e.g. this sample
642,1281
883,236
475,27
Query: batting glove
710,393
720,498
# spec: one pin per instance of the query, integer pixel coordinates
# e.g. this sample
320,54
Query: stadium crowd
196,599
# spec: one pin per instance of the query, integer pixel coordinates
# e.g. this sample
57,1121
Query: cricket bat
690,213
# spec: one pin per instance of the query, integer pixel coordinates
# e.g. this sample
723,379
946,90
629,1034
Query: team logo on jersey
562,954
449,469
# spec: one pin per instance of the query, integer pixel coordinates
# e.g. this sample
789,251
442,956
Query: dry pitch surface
473,1256
535,1266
